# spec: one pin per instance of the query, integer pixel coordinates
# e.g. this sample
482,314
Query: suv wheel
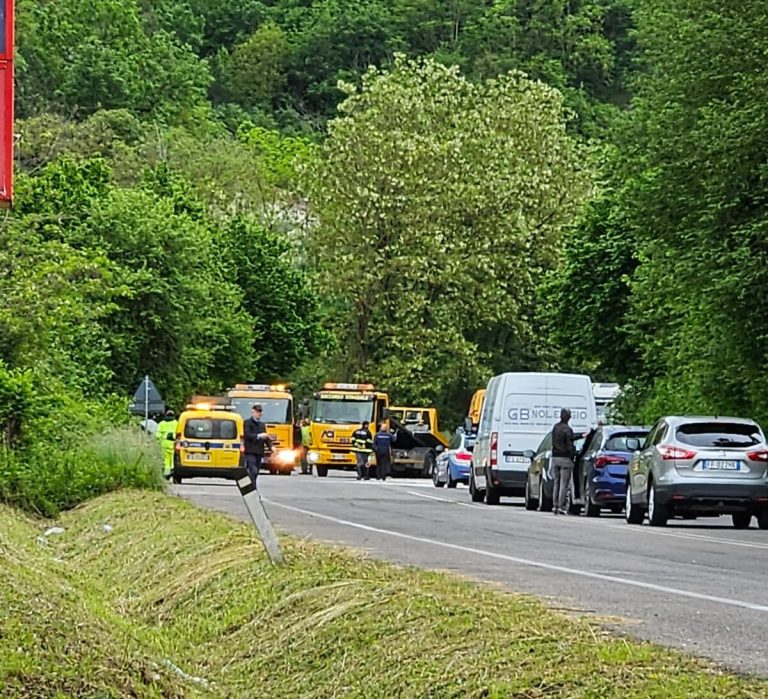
762,519
545,503
633,514
530,502
658,514
741,520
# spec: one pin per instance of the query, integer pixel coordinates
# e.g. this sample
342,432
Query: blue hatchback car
600,475
452,465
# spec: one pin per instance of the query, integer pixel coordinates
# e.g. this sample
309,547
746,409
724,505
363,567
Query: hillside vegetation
418,194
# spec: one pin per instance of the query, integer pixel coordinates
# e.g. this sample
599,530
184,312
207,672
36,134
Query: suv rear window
719,434
618,442
208,428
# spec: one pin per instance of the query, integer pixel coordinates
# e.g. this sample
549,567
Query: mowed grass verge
174,601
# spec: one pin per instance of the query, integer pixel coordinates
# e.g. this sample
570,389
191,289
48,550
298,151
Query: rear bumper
606,489
194,472
508,482
713,497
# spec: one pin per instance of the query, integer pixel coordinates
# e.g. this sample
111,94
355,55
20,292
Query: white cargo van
519,410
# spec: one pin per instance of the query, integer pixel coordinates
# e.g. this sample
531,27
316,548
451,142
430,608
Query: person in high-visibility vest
362,445
306,443
166,437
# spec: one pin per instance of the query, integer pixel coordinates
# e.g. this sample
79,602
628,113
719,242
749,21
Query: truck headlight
286,456
313,457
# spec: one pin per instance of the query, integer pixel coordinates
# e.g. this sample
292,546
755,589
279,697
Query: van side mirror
529,454
633,444
468,424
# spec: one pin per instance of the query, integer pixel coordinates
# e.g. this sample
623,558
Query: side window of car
545,445
661,433
490,399
455,441
654,436
595,443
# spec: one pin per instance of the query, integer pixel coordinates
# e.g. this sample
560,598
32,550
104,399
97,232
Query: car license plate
338,457
515,459
198,457
720,465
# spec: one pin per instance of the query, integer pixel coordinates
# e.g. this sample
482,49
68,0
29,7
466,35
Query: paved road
701,586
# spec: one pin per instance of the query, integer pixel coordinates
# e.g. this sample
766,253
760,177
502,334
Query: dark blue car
600,475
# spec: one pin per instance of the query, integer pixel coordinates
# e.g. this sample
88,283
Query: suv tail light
494,448
670,453
758,455
603,460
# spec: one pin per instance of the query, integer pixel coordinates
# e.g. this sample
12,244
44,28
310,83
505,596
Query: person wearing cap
256,439
362,445
166,437
563,453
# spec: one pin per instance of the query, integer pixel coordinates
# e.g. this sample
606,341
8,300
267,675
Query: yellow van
209,443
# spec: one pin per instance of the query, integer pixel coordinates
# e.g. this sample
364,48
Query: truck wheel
176,479
322,471
474,493
429,465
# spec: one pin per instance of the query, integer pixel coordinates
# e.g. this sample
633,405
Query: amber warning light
6,102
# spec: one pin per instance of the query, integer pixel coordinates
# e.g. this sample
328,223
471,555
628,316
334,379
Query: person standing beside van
563,453
256,437
166,437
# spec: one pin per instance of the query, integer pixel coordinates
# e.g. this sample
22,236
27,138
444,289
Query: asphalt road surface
700,586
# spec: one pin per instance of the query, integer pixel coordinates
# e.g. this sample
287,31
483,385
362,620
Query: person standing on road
362,445
563,452
306,443
256,438
382,448
166,437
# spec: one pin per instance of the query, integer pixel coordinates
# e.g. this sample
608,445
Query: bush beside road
144,594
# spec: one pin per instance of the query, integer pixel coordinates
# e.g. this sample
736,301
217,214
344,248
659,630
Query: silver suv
694,466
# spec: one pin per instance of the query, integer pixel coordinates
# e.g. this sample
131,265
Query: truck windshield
342,411
276,410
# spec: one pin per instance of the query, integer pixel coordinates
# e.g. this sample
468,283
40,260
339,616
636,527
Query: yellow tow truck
475,409
277,403
336,411
417,440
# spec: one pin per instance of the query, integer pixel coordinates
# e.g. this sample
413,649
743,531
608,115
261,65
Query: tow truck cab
276,401
336,411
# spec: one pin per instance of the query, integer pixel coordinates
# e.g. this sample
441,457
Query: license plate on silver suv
720,465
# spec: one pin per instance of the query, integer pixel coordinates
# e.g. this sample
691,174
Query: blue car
600,475
453,465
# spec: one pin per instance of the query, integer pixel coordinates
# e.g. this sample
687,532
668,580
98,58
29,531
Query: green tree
439,203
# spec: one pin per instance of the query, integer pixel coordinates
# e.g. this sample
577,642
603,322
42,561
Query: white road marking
531,563
452,502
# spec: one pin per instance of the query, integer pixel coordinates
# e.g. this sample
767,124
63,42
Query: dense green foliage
435,195
192,205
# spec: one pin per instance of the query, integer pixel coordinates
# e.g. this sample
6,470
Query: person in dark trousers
563,452
362,445
256,439
382,448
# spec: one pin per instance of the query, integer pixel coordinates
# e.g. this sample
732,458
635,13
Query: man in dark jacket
382,448
256,438
563,451
362,445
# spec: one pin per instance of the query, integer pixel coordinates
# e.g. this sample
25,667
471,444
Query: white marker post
258,514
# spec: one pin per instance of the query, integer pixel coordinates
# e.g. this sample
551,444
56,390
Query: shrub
45,479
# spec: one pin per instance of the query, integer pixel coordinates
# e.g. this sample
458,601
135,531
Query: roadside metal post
252,499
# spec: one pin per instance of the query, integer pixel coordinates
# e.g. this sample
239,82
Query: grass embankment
96,613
